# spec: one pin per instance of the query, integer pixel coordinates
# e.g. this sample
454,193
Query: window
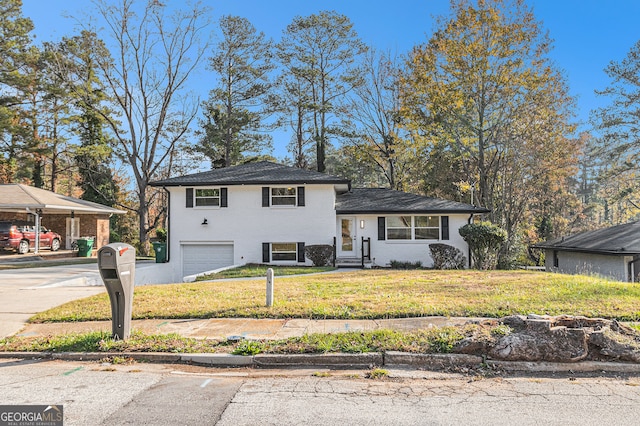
399,228
427,227
283,196
207,197
284,251
413,227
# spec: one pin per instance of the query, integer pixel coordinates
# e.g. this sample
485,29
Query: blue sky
588,34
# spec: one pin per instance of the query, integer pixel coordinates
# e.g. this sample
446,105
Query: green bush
446,257
397,264
161,234
485,241
320,254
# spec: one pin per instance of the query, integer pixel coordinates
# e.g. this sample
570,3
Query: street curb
568,367
337,360
390,359
430,361
218,360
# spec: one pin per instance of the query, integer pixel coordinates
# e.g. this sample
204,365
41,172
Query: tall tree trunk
143,219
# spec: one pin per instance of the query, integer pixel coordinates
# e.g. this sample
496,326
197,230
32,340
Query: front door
347,237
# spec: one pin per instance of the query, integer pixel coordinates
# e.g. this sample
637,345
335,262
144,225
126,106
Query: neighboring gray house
612,252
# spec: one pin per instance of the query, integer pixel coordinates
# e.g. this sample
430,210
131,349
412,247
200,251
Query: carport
71,217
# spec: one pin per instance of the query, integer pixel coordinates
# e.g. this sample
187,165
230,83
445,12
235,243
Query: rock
538,326
624,329
472,345
554,339
516,347
514,321
536,339
581,322
607,343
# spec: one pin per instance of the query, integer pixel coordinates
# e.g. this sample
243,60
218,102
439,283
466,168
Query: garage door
198,258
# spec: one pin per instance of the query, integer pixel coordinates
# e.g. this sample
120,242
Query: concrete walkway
248,328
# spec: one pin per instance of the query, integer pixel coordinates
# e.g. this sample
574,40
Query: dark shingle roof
260,173
381,200
619,239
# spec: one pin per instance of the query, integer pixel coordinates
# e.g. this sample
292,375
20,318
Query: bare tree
152,55
372,116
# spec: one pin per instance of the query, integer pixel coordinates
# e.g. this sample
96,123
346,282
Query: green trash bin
85,245
161,252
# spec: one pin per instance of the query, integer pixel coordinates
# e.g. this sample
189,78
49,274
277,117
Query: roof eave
49,207
588,251
262,182
417,211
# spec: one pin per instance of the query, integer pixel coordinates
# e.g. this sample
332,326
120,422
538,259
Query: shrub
397,264
447,257
485,240
248,348
320,254
161,235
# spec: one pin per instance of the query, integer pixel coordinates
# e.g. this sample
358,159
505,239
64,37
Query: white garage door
198,258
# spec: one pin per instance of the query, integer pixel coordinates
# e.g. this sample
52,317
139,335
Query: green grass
375,294
57,262
423,341
254,270
46,263
377,374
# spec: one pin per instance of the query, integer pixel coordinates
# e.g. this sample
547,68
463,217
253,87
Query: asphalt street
121,392
102,393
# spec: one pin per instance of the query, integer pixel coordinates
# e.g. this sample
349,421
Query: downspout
168,223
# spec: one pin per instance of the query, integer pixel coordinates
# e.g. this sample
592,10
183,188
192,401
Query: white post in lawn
269,287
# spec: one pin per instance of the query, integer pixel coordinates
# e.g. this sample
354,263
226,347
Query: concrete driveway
25,292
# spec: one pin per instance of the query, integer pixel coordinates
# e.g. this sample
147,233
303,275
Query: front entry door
347,237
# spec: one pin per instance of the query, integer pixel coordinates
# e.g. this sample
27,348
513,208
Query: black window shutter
189,197
301,252
265,196
223,197
266,254
301,196
444,223
381,229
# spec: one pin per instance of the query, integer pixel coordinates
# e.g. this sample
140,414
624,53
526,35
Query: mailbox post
117,265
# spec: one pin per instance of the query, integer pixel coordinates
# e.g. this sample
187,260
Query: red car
21,237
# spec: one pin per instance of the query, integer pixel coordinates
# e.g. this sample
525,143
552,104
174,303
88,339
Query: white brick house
267,213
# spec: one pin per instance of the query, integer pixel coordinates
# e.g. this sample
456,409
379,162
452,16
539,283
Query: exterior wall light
205,222
362,224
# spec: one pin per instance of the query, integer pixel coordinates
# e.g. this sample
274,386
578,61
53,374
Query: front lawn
375,294
253,270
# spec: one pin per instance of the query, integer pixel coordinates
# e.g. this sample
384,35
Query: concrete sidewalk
248,328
